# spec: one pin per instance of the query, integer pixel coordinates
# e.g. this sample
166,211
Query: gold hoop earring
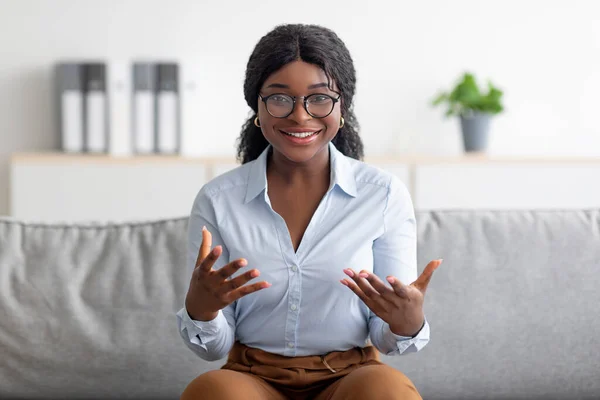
257,122
342,122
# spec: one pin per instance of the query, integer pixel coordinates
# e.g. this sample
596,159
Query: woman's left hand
401,306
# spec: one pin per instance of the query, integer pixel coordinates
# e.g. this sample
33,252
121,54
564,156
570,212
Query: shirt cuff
201,332
407,344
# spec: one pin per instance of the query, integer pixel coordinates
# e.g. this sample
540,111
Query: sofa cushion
89,311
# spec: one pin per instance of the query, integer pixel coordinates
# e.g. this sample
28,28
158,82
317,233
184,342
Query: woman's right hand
210,290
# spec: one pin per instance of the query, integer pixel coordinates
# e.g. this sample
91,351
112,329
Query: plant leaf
466,96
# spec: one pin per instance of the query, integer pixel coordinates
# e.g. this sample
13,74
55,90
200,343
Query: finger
354,287
423,280
205,246
366,292
246,290
378,284
362,283
386,293
239,281
230,269
399,288
376,303
206,264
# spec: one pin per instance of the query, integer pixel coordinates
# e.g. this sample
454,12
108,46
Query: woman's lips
312,135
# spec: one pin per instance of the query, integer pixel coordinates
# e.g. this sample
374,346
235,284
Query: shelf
62,158
55,157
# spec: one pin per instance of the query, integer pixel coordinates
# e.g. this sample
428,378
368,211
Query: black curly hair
312,44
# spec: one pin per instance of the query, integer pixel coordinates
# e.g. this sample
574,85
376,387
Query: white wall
545,54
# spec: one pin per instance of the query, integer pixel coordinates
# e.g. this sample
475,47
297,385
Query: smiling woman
308,60
299,133
301,212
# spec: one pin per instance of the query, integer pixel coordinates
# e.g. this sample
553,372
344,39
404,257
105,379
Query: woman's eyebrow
282,86
318,85
278,85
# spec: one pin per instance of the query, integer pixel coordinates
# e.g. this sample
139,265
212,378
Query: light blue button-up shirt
365,221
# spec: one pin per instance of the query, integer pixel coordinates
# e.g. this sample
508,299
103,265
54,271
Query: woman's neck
291,173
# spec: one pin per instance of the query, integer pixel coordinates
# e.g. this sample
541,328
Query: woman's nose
299,113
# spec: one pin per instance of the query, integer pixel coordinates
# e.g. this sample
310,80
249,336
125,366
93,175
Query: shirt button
293,307
290,344
294,268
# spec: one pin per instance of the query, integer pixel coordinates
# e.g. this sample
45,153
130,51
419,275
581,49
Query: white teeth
300,134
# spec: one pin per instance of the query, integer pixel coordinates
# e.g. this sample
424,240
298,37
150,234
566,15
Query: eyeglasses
317,105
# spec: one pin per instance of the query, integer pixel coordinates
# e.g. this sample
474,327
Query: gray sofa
88,311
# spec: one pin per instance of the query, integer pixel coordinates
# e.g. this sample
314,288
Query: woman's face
287,135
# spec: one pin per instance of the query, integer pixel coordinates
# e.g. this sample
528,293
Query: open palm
400,305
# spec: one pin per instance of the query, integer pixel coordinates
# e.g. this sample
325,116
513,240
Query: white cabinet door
507,185
104,192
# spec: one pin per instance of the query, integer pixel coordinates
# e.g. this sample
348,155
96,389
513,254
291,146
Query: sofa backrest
88,311
514,308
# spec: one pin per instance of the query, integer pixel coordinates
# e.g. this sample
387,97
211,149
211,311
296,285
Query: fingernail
204,227
390,279
344,282
242,263
254,273
363,275
349,273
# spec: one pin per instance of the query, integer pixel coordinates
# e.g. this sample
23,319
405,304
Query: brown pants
254,374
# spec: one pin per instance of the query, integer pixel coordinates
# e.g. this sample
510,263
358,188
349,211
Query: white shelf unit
76,188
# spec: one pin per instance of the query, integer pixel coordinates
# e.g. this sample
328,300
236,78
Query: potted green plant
474,108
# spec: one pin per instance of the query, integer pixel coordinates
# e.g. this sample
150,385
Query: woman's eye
280,99
320,99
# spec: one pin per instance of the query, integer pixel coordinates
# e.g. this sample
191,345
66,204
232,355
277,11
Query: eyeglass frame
304,103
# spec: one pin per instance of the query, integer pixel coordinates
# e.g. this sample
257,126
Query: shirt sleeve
391,344
395,253
211,340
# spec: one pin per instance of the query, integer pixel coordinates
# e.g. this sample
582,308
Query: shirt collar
257,179
342,173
